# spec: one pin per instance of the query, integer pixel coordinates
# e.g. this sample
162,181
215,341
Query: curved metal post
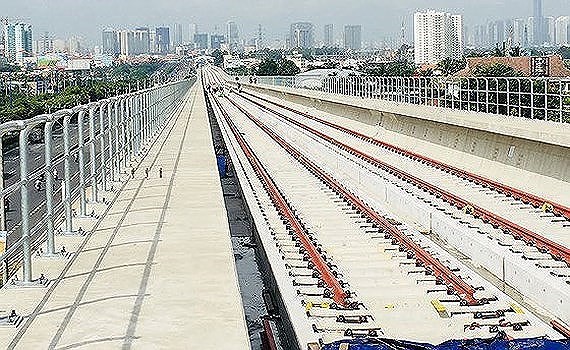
92,153
67,174
24,199
102,131
48,174
81,159
115,156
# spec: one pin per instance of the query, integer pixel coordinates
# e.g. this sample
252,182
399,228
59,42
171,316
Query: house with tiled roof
530,66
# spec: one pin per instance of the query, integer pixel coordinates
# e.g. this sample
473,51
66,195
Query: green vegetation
17,104
218,57
564,51
450,66
496,70
270,67
392,69
5,67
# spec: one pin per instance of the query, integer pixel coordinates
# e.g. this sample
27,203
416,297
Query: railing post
48,140
81,159
67,175
102,131
25,205
123,146
92,151
531,98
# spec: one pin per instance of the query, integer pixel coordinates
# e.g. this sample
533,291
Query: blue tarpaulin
500,342
221,165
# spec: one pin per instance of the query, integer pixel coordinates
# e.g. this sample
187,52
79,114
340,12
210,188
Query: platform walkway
157,271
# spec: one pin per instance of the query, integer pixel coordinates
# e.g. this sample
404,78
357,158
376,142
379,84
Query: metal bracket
11,320
80,233
41,282
62,254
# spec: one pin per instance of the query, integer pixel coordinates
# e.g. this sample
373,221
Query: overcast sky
379,18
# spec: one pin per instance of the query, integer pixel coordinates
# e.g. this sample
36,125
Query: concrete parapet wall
527,154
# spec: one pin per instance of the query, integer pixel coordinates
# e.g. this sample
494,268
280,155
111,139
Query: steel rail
340,296
558,251
443,273
525,197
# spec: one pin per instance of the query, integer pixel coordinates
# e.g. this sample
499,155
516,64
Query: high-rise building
17,41
192,29
550,30
141,41
530,30
216,41
126,42
44,44
497,32
538,28
353,37
329,35
201,41
162,40
301,35
110,42
177,33
480,36
562,30
232,36
437,35
74,45
519,29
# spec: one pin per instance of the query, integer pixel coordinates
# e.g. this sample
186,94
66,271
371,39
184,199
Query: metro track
552,274
525,197
440,284
538,240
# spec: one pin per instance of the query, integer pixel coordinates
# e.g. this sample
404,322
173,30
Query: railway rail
546,270
457,296
558,251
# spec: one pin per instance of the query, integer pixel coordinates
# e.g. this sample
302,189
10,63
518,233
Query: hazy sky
378,17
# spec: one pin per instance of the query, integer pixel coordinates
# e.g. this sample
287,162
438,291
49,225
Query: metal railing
103,138
534,98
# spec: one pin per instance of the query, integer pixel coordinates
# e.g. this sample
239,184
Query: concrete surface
157,271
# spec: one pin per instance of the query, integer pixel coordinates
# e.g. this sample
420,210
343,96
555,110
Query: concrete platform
157,271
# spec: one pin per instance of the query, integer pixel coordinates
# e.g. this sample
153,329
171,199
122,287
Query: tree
218,57
5,67
496,70
270,67
564,51
287,67
392,69
450,66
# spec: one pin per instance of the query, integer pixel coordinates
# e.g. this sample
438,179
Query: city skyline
379,19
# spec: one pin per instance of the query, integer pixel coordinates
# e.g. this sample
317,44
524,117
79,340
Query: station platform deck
157,271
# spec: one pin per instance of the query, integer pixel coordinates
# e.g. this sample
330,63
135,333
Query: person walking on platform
146,173
160,172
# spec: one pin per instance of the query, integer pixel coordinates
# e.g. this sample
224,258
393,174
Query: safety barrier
110,133
534,98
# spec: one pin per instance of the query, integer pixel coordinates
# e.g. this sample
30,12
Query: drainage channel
253,285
